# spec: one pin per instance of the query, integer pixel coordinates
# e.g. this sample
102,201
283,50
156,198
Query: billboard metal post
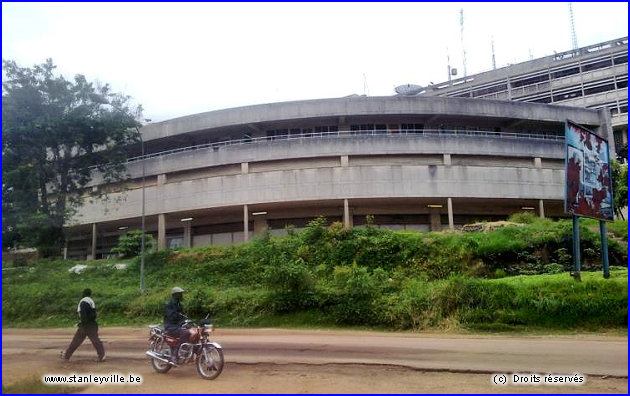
602,231
588,186
576,248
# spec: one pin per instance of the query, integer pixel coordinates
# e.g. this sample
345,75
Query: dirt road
288,361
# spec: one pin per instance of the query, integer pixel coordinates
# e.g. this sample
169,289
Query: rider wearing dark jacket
173,318
174,312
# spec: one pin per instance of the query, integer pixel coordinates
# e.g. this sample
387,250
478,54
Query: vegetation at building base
327,275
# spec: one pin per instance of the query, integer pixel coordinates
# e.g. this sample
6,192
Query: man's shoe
63,357
101,359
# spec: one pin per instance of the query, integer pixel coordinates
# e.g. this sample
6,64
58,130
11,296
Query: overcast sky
180,59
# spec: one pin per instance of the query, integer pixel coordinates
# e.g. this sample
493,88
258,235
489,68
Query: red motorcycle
207,355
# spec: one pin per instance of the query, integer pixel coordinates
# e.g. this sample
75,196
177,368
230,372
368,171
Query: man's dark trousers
85,331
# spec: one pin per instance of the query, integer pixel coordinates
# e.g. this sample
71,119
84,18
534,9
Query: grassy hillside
329,276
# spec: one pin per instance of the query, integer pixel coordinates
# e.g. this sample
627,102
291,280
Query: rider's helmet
176,290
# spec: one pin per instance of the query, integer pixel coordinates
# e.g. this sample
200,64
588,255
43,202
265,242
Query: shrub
553,268
130,244
290,283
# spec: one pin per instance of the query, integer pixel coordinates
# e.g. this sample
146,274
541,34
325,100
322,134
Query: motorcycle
207,355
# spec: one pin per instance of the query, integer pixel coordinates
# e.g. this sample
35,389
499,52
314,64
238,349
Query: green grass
619,227
34,385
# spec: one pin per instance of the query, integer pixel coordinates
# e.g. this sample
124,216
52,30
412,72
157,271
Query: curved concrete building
418,163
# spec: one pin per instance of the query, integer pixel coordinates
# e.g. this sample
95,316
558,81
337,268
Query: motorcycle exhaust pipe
159,357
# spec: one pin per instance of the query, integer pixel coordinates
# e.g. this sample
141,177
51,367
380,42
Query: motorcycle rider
173,318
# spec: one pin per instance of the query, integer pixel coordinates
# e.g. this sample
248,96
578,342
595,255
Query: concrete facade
411,163
594,77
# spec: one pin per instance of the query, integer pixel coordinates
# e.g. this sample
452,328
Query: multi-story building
414,163
595,77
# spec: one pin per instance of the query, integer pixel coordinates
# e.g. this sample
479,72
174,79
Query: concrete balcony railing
350,134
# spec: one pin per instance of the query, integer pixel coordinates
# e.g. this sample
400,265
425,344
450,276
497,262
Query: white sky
185,58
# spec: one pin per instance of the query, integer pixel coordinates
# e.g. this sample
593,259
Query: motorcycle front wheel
209,362
164,350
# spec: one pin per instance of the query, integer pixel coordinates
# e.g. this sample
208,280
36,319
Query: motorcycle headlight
208,328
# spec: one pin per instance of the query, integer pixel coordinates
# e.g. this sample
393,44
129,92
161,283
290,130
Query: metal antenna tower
494,62
461,30
573,34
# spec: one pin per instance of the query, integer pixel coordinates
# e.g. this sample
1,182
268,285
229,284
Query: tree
56,135
620,186
622,153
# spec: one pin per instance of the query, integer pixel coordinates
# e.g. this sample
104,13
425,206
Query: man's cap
177,290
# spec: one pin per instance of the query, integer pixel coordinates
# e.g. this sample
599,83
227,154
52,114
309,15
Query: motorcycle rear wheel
209,362
158,365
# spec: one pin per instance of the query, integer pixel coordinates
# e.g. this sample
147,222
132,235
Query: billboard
588,186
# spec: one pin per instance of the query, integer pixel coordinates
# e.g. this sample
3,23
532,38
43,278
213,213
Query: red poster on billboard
588,187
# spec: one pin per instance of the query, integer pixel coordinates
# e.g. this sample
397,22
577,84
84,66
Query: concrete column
161,180
344,160
245,223
159,195
93,242
538,163
436,223
541,208
161,232
449,204
347,215
260,224
447,159
605,130
244,168
187,234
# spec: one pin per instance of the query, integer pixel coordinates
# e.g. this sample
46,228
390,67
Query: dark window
623,108
566,72
597,65
326,128
622,83
412,128
362,128
380,128
559,97
545,99
367,127
621,59
599,89
530,80
489,90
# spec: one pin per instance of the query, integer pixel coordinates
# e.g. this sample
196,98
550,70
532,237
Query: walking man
86,328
